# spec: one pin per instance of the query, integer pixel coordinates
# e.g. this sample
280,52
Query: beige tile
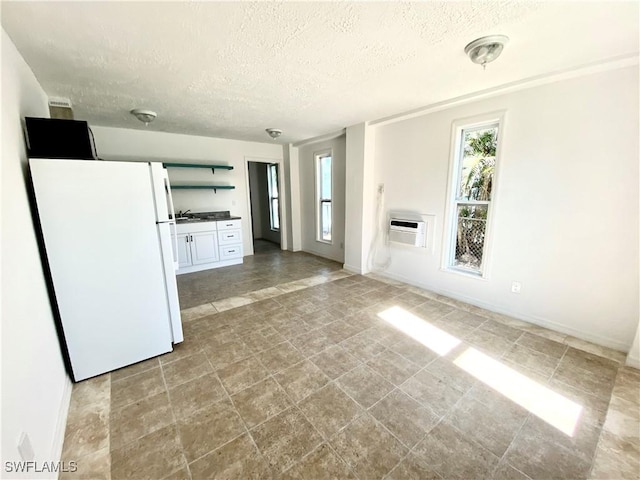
504,471
186,369
413,468
94,466
431,392
90,393
136,387
242,374
591,362
488,342
615,458
362,346
231,302
585,380
238,459
181,474
312,343
200,311
188,398
404,417
497,328
134,369
623,420
87,431
330,409
139,419
209,428
608,353
364,385
260,401
264,293
301,380
190,346
369,449
152,456
542,345
541,457
321,464
335,361
532,359
492,426
224,355
453,456
450,374
262,339
280,357
413,350
285,439
393,367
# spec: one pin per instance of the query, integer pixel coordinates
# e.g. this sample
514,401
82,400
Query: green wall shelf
198,165
215,188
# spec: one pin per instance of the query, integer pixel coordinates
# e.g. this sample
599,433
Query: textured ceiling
231,69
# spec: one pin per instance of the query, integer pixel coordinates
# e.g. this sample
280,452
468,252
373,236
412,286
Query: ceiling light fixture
274,132
486,49
145,116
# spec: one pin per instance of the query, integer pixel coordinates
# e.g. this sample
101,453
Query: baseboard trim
352,269
542,322
633,362
61,424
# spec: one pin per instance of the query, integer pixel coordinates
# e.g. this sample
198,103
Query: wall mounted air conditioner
407,232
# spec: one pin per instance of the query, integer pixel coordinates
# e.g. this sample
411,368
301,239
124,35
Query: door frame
284,200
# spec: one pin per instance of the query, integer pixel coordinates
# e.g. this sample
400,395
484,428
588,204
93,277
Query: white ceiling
232,69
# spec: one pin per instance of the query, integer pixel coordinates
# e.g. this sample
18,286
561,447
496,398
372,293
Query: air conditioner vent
407,232
59,102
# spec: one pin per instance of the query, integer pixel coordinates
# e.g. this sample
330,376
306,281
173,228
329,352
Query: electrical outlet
381,188
516,287
25,449
341,245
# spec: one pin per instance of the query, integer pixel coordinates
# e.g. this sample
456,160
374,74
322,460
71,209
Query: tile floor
309,378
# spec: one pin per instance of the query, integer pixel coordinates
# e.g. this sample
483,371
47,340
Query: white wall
306,162
35,387
565,205
122,144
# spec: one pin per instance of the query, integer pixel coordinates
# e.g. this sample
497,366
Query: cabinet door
184,251
204,247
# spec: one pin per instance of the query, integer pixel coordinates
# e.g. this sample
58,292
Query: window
323,192
274,213
473,181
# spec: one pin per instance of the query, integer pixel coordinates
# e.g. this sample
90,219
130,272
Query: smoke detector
486,49
274,132
145,116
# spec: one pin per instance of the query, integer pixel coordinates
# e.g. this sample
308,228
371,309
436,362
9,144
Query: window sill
465,273
326,242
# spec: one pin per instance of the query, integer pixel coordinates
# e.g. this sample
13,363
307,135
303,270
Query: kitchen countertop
205,219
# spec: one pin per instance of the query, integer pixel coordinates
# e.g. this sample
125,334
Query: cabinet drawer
228,237
230,251
192,227
229,224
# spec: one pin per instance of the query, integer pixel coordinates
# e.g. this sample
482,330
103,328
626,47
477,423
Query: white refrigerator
106,240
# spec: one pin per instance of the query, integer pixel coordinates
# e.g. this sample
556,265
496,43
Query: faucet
182,214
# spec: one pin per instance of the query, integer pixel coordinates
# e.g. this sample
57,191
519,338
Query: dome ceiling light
486,49
273,132
145,116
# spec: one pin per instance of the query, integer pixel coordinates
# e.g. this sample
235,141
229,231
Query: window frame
271,197
453,202
319,201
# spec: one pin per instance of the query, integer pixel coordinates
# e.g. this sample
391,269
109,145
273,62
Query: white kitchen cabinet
205,245
184,251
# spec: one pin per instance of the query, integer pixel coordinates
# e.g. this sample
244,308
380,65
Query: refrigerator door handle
167,187
174,243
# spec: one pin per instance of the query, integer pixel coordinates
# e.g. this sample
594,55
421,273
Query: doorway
264,195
